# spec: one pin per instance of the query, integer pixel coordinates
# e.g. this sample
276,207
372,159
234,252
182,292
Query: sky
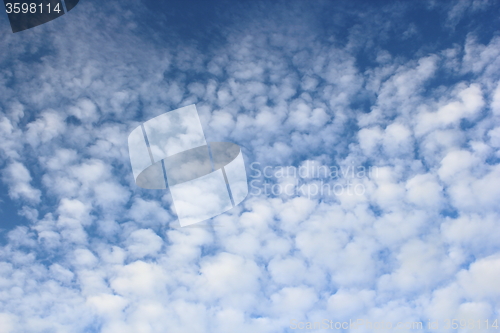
370,132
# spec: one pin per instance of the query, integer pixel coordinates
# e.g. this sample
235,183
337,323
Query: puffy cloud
469,104
46,128
143,242
425,191
19,179
230,279
345,303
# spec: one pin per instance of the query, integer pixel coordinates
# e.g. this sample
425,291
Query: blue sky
408,89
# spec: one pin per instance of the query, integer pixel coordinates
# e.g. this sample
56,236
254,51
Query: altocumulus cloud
293,84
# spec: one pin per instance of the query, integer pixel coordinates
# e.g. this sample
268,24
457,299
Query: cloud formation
98,254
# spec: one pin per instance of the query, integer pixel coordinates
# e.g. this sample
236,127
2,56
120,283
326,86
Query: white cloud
469,104
47,127
293,301
143,242
345,303
424,191
19,179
